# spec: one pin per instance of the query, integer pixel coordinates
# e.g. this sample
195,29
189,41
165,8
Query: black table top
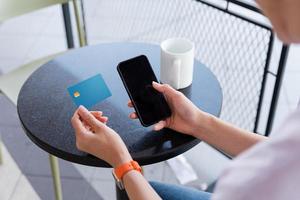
45,107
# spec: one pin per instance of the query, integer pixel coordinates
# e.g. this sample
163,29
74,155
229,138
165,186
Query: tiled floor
14,182
35,35
33,163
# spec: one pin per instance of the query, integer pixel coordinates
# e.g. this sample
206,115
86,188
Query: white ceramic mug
177,62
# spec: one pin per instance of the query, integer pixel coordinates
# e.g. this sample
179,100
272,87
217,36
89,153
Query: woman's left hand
94,137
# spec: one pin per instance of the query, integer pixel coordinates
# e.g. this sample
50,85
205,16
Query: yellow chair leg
1,157
56,177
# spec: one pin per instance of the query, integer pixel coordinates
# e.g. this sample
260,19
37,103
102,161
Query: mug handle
176,65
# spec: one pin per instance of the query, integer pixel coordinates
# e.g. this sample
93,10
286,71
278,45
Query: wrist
203,124
121,159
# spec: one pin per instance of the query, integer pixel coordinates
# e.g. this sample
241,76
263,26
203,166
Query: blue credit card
90,91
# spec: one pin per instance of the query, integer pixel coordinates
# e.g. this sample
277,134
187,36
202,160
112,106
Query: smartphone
149,104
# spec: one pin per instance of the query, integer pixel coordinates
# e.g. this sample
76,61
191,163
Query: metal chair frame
267,72
78,10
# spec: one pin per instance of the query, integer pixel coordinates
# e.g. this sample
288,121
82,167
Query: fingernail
82,108
154,83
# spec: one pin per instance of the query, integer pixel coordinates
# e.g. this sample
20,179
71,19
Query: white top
268,171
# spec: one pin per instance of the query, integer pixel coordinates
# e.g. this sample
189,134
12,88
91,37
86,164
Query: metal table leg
121,194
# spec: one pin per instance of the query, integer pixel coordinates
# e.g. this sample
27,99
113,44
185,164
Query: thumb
163,88
89,118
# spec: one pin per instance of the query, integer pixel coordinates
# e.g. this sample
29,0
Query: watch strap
121,170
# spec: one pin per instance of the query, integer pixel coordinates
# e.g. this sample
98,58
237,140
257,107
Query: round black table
45,107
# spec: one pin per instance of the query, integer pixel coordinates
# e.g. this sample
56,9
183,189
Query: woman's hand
186,117
94,137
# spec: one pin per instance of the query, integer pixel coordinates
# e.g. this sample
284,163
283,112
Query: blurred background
233,40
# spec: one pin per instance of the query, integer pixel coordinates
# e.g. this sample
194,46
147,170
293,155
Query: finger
133,115
77,123
87,117
104,119
97,113
81,129
160,125
130,105
87,127
98,118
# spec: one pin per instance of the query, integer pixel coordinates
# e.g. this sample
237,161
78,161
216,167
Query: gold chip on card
76,94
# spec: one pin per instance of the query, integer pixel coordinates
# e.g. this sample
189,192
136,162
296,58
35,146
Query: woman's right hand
186,117
94,137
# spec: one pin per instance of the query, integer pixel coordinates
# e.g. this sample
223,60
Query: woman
263,169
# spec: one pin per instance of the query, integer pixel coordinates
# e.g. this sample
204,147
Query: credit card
90,91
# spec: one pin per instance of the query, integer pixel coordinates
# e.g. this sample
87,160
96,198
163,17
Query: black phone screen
137,76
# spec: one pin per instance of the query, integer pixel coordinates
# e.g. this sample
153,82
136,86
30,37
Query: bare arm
187,118
137,187
224,136
93,136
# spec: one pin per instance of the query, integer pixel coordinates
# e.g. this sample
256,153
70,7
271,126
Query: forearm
137,187
226,137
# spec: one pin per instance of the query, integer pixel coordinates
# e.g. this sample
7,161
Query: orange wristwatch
121,170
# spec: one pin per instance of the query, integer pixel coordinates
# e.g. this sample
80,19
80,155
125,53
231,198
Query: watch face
119,182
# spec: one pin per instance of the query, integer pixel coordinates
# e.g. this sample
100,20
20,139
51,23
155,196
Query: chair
11,83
